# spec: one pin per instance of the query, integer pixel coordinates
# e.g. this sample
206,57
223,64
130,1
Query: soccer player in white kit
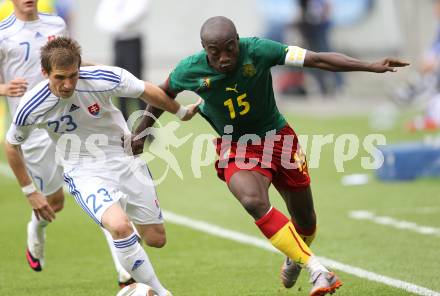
111,186
22,35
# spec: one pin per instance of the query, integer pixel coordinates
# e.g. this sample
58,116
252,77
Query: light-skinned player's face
222,54
25,7
62,80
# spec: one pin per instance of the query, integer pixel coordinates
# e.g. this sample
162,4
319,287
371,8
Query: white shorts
39,155
126,181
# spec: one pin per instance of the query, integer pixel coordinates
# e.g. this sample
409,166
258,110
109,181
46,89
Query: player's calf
154,235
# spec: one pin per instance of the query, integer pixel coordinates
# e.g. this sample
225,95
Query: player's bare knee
254,203
158,241
120,229
155,236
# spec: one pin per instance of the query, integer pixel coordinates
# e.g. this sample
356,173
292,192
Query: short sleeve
178,80
129,86
272,52
17,135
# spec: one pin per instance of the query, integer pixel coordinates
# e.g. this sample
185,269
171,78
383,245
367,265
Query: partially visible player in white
22,34
111,186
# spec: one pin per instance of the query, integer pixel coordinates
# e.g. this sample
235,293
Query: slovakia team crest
94,109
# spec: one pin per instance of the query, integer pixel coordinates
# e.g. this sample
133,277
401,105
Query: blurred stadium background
398,27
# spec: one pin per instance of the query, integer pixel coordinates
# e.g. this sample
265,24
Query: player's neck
26,17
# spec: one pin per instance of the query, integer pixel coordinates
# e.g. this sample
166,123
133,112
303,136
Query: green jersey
243,98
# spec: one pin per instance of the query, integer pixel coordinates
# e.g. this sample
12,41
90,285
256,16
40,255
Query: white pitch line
399,224
264,244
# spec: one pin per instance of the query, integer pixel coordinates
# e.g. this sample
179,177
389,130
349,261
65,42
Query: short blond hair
60,52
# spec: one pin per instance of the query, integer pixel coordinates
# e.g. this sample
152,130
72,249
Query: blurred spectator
430,60
278,17
65,10
122,19
430,121
315,26
350,12
426,81
423,87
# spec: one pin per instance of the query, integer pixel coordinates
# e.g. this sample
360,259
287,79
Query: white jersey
87,127
20,44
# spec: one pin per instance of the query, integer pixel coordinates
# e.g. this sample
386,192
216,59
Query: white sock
133,258
36,235
38,226
314,265
123,275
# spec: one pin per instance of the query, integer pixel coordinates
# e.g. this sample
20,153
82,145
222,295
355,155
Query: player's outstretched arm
156,97
338,62
152,113
37,200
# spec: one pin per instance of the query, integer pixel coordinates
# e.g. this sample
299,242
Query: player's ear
44,72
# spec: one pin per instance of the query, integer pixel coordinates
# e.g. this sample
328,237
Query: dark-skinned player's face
222,54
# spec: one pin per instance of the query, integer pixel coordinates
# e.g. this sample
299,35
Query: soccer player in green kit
257,146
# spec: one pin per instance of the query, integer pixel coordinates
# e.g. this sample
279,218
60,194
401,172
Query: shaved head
217,28
221,43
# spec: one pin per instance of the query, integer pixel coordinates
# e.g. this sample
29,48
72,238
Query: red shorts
278,157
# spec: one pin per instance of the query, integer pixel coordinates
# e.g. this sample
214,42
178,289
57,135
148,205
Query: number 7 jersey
243,98
20,44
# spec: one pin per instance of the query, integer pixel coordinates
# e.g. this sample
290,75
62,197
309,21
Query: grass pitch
193,263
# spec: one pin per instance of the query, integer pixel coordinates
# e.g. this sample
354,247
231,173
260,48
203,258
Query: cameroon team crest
205,83
249,70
